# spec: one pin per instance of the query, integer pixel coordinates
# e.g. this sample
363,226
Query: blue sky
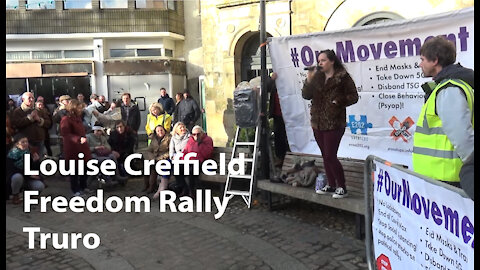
11,4
78,4
51,3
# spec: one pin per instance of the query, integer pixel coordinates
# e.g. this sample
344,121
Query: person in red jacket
75,142
201,144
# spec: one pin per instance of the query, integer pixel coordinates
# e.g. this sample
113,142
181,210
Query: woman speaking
331,90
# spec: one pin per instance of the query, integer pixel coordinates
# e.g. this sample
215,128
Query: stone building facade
95,46
230,34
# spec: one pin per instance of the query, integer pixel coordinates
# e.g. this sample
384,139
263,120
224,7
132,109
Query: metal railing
368,184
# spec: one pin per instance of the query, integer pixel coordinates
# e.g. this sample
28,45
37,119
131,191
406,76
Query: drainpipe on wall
290,15
170,84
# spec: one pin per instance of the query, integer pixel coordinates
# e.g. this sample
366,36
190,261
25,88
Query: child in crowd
16,178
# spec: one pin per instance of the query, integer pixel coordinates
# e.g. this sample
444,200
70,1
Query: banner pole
367,187
263,115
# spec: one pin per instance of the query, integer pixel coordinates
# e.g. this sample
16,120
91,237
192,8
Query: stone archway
247,57
352,13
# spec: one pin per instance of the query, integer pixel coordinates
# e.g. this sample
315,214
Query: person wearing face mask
331,90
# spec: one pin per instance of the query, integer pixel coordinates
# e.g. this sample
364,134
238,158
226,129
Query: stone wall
226,25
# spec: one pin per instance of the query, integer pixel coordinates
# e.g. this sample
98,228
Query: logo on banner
400,129
383,263
361,125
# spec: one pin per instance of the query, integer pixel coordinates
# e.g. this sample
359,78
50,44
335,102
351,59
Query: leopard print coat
326,115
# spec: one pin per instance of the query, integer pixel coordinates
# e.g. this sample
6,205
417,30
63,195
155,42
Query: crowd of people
109,130
101,130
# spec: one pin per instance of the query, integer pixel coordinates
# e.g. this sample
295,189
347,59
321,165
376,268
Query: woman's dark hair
337,65
155,130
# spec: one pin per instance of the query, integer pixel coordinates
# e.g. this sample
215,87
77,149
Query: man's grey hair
25,95
199,128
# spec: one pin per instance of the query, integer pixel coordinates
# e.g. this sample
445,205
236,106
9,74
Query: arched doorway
251,58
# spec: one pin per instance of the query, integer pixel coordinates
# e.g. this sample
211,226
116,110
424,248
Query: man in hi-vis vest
444,136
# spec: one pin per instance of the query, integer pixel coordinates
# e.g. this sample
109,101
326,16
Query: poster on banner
419,225
383,60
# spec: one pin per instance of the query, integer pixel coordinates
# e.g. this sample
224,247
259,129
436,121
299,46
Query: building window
122,53
136,52
40,4
377,18
149,52
25,55
113,3
47,55
18,55
149,4
77,4
162,4
67,68
79,54
171,4
12,4
168,52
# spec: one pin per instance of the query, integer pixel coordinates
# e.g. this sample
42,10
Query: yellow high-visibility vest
433,153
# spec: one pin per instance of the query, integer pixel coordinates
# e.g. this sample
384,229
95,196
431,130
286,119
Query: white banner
383,60
418,225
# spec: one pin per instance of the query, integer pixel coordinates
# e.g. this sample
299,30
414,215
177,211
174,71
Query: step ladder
250,175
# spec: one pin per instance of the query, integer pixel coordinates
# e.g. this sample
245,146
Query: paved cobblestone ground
302,235
20,257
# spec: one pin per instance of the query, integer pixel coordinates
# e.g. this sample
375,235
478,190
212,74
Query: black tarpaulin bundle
245,104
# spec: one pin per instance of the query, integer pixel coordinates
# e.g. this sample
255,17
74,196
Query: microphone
311,68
